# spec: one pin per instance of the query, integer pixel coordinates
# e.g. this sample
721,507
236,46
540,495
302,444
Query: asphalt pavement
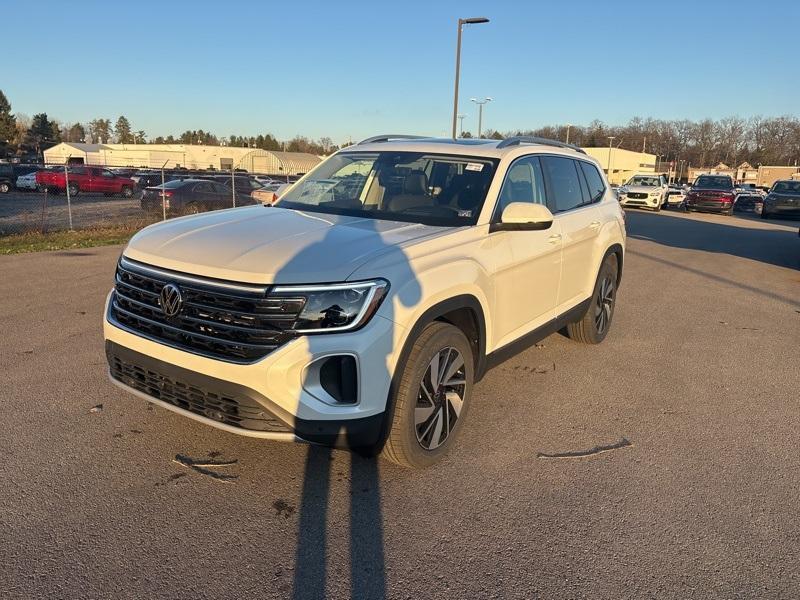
663,463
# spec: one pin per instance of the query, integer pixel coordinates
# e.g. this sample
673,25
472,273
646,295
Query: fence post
233,187
66,186
44,208
163,193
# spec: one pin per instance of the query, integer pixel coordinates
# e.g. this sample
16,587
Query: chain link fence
71,205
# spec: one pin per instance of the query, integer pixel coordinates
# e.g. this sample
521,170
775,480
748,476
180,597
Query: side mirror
524,216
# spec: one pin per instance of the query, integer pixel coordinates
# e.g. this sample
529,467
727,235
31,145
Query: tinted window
787,187
596,186
524,183
219,188
77,170
565,187
714,182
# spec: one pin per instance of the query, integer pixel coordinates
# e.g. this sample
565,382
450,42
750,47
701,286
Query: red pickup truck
85,179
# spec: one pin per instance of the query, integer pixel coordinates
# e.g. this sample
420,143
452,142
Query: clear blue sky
343,69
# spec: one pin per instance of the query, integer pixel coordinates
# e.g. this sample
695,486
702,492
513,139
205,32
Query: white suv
360,310
646,190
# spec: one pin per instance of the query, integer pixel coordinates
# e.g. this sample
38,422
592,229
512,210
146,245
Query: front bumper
273,398
708,205
648,202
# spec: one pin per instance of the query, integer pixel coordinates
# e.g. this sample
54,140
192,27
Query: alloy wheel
440,398
604,304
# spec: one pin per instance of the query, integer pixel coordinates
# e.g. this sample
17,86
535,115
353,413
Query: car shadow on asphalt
779,247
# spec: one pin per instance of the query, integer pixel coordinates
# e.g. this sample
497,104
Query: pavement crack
622,443
202,466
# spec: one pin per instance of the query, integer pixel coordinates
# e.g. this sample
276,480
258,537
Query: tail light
166,194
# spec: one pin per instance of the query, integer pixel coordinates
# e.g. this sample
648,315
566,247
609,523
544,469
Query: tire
764,213
421,409
127,192
593,327
191,209
5,187
73,189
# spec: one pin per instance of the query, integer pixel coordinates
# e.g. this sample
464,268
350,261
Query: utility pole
568,126
461,125
611,138
461,23
480,104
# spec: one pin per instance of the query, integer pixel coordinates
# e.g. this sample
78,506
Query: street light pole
480,104
611,138
461,23
568,126
461,125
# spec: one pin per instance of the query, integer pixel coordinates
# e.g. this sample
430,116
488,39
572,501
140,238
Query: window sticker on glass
474,167
465,213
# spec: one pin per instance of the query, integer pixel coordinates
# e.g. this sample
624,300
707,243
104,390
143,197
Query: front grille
237,325
638,195
224,408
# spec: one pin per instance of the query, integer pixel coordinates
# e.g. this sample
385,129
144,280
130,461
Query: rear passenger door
578,216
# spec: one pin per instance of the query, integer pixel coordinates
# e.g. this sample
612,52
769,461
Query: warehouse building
175,156
624,163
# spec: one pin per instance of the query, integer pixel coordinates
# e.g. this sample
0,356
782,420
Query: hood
259,244
645,189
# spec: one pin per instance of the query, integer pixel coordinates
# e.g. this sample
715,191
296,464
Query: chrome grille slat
226,321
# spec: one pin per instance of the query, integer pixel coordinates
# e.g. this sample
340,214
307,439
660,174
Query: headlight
332,308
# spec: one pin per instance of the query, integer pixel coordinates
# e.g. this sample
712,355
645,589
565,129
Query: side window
202,188
108,174
220,189
596,186
524,183
565,187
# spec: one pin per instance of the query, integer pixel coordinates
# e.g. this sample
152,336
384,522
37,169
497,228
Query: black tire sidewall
609,268
414,370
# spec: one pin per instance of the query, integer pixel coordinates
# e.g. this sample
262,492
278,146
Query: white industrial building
172,156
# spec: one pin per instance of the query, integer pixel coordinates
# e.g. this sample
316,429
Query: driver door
527,282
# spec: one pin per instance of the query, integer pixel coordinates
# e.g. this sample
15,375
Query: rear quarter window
596,186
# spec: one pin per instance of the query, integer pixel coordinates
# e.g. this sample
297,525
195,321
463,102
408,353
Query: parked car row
711,193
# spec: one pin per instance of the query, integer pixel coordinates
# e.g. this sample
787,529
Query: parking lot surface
693,397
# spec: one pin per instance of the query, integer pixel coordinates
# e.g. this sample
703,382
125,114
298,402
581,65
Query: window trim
548,186
496,212
605,187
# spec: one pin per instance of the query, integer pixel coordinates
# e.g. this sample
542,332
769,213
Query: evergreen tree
8,124
123,131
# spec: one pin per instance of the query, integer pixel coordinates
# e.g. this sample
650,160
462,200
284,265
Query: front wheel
432,397
127,192
595,323
73,189
764,213
4,187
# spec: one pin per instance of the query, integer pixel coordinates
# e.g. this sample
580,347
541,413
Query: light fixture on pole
480,104
461,23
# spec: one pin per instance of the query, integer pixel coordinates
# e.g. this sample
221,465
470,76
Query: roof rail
389,137
530,139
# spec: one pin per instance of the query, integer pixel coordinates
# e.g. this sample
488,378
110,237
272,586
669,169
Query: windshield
713,182
787,187
645,181
434,189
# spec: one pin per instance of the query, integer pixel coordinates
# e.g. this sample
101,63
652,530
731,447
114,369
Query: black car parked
783,200
749,202
7,178
191,196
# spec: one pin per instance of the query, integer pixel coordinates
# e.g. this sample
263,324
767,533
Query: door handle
595,224
555,238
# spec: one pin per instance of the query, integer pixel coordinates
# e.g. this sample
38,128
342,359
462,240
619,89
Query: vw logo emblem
171,299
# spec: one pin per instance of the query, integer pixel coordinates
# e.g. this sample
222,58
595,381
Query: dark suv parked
783,200
711,193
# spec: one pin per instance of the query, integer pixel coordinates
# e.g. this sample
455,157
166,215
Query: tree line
731,140
23,136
